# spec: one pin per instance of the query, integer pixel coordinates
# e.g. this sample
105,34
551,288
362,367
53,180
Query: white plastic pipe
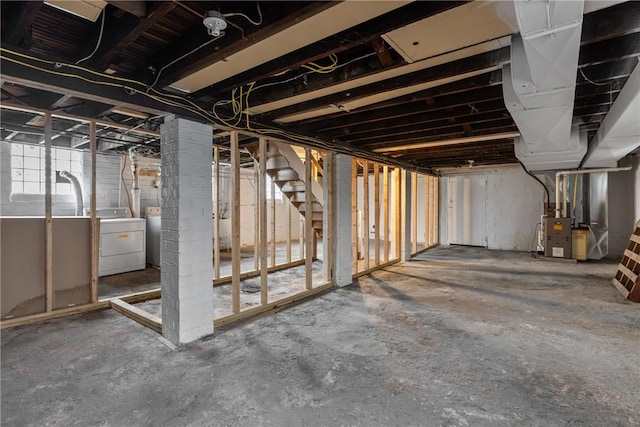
561,175
135,171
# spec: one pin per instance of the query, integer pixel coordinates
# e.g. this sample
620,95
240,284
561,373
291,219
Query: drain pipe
561,176
135,170
76,189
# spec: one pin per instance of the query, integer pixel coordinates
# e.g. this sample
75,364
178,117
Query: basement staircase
287,170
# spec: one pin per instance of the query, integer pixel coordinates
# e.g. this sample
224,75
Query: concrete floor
456,337
149,278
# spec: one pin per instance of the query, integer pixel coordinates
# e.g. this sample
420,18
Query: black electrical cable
546,190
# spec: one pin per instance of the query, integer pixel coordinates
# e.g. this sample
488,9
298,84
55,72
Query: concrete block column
187,233
343,225
405,215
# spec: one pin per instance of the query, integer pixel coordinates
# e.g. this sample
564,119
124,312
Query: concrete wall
510,201
248,213
513,203
636,193
624,207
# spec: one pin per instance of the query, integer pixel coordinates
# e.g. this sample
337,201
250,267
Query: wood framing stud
262,213
216,215
376,208
308,219
48,214
140,316
354,216
235,223
365,226
414,212
95,237
385,210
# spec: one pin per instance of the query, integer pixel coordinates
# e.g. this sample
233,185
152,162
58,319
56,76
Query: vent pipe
76,189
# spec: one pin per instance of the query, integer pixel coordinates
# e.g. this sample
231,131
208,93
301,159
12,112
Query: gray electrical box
558,238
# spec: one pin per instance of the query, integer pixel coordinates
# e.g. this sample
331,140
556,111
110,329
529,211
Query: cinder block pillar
187,233
405,215
343,224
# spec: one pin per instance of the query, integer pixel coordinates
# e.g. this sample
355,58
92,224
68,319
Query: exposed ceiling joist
135,7
43,74
368,32
308,29
16,27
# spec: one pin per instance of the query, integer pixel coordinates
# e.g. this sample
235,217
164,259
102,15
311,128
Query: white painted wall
248,213
624,207
512,206
636,192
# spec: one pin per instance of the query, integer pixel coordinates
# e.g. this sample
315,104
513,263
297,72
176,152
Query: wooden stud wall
312,168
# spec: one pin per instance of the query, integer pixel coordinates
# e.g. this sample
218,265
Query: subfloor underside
457,336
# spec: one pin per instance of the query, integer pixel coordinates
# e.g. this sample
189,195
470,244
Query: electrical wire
198,110
227,15
182,57
322,68
591,81
185,103
99,40
311,72
546,190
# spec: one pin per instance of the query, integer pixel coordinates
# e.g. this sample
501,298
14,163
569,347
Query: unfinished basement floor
456,337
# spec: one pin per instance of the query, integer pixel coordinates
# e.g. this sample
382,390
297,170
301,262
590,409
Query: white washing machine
122,241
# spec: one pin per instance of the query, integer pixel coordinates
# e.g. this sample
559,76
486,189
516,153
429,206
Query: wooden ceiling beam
472,83
485,94
346,40
395,132
16,27
126,30
401,145
466,65
420,118
33,73
137,8
276,17
609,50
611,22
499,125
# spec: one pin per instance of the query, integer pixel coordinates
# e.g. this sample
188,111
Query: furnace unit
558,237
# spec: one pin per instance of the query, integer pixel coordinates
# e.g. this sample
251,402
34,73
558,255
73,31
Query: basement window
27,169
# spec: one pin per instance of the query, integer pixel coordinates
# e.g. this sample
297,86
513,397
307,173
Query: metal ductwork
539,84
619,132
77,190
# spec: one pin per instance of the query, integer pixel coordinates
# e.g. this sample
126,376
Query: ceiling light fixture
215,23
